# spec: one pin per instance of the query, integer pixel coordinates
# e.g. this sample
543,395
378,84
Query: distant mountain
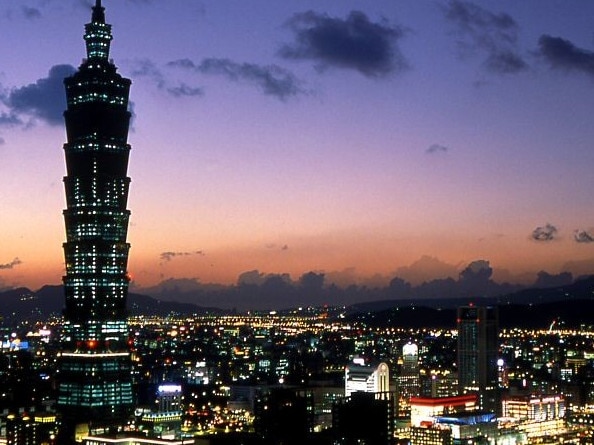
24,304
571,306
538,307
529,316
582,289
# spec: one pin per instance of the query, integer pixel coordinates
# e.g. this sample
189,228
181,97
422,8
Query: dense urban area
314,374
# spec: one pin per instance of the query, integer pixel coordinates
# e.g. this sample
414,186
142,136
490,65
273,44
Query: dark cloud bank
44,100
356,42
562,54
256,290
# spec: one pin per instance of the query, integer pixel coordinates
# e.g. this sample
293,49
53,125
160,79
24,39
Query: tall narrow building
94,373
477,354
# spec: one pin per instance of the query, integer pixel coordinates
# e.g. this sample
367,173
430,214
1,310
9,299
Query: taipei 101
334,223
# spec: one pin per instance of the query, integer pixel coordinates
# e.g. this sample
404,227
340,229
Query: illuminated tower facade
477,354
94,377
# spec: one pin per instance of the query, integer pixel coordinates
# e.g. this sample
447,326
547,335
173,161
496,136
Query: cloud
185,90
426,268
545,279
2,141
44,100
352,43
148,69
545,233
271,79
11,265
563,54
9,119
31,13
493,35
274,246
168,256
437,148
583,236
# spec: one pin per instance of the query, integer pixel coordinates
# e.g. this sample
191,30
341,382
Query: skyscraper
94,379
477,354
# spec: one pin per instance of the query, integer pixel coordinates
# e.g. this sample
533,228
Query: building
364,418
477,354
423,410
408,380
165,419
284,415
450,420
94,374
31,429
536,416
359,376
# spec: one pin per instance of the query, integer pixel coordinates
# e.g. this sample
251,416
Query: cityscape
440,361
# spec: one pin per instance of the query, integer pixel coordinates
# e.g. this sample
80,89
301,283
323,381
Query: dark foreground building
94,379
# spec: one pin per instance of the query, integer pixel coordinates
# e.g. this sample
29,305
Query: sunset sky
362,139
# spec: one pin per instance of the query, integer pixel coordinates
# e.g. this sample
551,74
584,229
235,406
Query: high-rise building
408,380
477,354
361,377
94,377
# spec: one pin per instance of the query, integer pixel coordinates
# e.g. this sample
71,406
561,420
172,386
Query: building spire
98,13
98,34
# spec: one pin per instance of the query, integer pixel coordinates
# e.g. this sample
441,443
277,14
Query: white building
366,378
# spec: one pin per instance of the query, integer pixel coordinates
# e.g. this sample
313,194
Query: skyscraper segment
94,371
477,354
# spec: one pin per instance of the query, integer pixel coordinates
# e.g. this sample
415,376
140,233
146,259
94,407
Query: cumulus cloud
545,279
11,265
168,256
251,277
44,100
437,148
426,268
272,80
547,232
356,42
492,35
583,236
562,54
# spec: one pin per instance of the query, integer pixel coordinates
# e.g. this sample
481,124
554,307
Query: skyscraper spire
98,13
98,34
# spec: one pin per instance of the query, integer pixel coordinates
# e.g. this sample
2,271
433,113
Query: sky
359,139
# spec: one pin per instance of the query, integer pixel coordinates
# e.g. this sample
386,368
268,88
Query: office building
424,409
94,378
362,377
408,381
477,354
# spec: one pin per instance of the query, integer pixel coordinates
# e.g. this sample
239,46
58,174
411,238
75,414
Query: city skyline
395,140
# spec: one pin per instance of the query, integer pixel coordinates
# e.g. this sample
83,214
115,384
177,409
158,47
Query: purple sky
352,138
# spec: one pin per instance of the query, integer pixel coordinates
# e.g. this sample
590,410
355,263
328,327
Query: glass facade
94,377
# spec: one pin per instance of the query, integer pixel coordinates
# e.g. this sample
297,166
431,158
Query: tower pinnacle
98,34
98,13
